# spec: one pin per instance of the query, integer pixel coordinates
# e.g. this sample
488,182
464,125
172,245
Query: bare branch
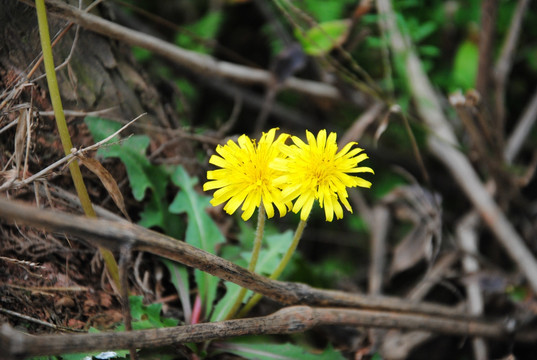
114,235
285,321
199,63
489,10
505,61
522,130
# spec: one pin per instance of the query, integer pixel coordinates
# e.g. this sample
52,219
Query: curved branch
115,235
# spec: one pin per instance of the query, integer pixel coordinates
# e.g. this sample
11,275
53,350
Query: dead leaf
89,305
108,181
105,300
75,324
421,208
8,176
415,246
64,302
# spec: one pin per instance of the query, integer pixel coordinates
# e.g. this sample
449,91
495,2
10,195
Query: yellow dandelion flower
245,176
317,171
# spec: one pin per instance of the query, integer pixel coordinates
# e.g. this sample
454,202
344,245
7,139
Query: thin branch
443,144
199,63
28,318
285,321
467,239
489,11
505,61
355,132
114,235
79,113
522,130
379,232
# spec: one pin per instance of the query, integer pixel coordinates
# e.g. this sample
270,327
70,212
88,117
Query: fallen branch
285,321
116,235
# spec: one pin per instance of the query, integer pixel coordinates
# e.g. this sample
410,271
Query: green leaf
267,351
421,31
466,64
201,230
225,304
270,258
326,10
179,279
141,54
429,50
267,263
101,128
141,173
146,316
323,38
131,151
206,28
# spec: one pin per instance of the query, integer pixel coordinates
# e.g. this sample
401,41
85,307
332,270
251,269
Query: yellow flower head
245,176
317,170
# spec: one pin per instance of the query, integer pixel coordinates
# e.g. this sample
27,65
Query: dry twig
115,235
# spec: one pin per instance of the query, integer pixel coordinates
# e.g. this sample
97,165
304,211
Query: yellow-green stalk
278,271
253,260
63,130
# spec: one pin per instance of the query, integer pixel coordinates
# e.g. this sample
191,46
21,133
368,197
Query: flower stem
253,260
63,130
283,263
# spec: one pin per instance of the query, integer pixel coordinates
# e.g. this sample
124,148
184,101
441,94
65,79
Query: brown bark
285,321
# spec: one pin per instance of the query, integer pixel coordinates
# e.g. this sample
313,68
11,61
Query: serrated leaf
141,173
201,231
321,39
132,153
146,316
267,351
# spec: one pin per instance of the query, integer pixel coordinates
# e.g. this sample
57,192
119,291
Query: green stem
253,260
63,130
283,263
